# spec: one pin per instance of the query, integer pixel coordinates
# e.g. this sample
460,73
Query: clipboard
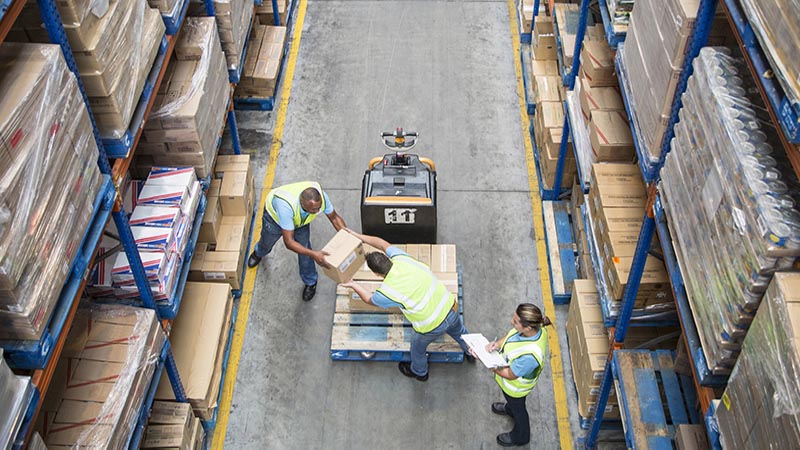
477,342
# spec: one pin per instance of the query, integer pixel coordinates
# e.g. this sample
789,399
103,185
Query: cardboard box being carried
345,256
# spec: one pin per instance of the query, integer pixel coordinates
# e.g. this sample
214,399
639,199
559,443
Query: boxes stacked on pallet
265,15
50,181
114,44
173,425
233,23
777,26
15,394
161,223
731,198
189,111
263,62
222,251
615,205
198,338
583,259
526,15
566,20
588,348
653,55
759,408
100,381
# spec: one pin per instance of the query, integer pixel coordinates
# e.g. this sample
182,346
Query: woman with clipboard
525,347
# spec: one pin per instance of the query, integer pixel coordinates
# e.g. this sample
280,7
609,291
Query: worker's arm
336,221
360,290
293,245
374,241
505,372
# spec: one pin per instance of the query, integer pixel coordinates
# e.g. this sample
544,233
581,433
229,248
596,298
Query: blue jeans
452,325
271,232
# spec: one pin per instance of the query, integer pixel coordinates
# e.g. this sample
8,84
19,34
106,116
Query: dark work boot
253,260
309,291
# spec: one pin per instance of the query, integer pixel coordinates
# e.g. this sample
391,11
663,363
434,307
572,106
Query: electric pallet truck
398,193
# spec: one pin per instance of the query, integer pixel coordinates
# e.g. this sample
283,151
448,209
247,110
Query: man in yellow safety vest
288,211
411,286
525,347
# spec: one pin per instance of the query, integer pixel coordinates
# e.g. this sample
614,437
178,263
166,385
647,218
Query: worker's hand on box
358,235
350,284
319,258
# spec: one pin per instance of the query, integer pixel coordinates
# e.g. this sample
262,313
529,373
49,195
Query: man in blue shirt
288,211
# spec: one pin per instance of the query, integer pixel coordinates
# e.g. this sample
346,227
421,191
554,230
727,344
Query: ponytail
531,316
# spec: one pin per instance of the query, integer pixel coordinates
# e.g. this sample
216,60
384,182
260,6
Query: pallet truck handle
374,161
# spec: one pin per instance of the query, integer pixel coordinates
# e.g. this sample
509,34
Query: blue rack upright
172,23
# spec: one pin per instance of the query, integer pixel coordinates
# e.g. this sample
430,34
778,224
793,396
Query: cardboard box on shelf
211,221
198,339
543,41
610,135
234,193
223,266
549,115
601,98
617,174
691,437
345,256
232,163
546,88
544,67
597,63
616,196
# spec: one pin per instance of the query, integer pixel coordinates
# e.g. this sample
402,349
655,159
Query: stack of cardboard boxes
234,18
616,204
526,14
263,62
222,245
199,338
265,15
190,108
588,348
161,224
584,260
50,178
98,387
548,94
173,426
114,44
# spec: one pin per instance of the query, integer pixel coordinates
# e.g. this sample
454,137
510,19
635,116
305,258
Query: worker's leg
270,233
515,407
419,348
456,329
308,269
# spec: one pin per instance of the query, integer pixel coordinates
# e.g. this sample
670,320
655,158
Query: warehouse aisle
445,69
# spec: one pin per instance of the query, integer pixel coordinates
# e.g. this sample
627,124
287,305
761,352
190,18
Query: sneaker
405,369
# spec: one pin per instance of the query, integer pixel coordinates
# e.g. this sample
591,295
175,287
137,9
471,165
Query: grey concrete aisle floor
446,70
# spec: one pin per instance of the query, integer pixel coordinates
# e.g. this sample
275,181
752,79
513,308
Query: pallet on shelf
643,379
614,33
527,82
36,354
561,249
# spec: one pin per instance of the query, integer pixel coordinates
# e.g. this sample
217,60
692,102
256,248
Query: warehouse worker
525,347
288,211
411,286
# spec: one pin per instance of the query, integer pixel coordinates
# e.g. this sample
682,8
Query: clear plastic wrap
233,23
653,54
191,104
15,394
100,381
731,203
76,11
49,178
777,26
620,11
761,404
580,135
167,8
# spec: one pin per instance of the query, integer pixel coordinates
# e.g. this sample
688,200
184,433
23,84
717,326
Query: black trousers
515,407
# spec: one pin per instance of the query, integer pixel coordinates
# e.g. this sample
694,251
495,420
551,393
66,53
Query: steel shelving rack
784,115
41,357
650,171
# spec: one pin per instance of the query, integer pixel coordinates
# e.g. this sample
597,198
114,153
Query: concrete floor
446,70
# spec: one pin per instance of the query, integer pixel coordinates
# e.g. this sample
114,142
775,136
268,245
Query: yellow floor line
556,365
250,279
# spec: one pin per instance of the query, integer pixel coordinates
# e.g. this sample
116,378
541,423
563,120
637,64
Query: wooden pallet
653,398
364,332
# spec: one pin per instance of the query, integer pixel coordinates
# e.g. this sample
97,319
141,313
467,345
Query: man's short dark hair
379,263
310,194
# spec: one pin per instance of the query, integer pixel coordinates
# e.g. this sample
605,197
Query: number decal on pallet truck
399,215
